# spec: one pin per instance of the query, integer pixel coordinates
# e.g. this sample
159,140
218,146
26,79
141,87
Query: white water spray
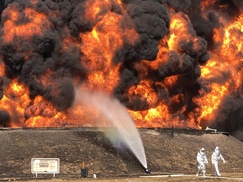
117,116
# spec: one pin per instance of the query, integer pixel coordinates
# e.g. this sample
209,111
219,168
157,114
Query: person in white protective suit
202,162
216,156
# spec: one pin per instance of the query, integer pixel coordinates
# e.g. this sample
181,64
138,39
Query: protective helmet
217,149
202,150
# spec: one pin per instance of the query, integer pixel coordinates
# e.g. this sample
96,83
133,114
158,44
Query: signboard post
45,166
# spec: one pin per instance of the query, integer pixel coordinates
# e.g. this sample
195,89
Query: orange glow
232,44
35,24
16,98
93,11
95,35
207,3
211,101
99,45
217,37
158,93
34,1
2,68
180,30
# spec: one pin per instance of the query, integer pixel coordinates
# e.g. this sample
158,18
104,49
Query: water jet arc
118,117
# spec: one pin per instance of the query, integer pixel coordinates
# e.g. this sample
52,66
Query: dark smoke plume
4,118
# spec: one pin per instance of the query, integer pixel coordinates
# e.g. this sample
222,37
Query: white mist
118,117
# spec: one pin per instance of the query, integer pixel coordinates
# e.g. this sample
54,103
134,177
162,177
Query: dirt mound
167,151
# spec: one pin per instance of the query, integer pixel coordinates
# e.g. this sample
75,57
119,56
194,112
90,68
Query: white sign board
45,166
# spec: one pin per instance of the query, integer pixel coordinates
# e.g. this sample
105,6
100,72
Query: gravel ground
147,178
156,178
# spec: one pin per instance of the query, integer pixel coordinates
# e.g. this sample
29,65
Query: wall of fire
171,63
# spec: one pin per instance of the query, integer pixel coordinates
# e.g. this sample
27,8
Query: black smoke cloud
27,61
1,7
43,54
180,5
4,118
238,3
151,22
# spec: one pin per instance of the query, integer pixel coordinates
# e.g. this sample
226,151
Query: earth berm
171,155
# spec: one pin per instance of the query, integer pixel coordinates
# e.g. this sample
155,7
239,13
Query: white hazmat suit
202,161
216,156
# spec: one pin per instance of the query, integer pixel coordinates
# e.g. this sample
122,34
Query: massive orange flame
221,75
223,68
